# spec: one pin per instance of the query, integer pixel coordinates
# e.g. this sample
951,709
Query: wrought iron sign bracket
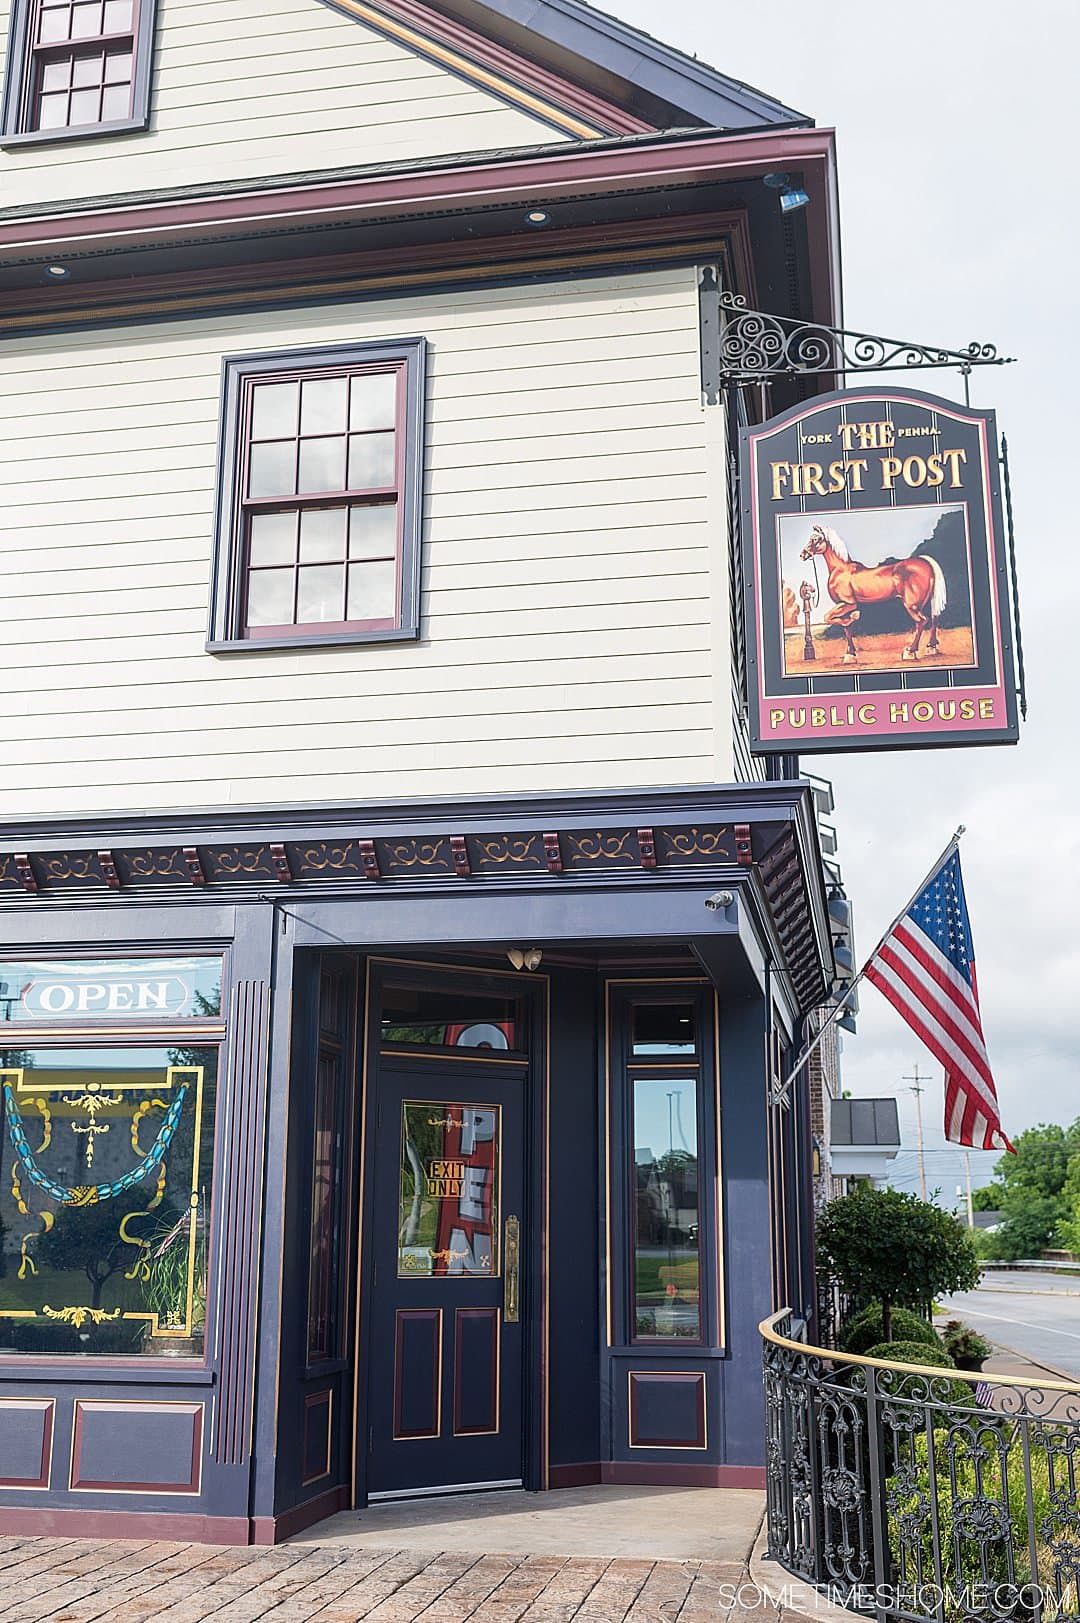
755,347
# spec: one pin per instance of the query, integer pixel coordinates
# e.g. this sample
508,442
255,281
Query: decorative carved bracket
756,346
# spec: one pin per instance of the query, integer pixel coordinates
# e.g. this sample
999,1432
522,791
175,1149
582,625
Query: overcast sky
960,196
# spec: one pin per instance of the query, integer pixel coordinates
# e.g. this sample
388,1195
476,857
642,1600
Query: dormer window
77,68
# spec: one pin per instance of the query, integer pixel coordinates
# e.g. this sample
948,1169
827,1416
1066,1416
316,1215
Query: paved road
1036,1314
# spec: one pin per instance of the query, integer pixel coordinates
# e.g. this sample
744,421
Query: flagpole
811,1048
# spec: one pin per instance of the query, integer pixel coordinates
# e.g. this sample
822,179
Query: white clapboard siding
246,89
574,574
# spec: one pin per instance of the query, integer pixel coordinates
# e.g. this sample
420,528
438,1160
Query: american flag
926,968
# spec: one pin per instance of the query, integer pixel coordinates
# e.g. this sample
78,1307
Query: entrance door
445,1404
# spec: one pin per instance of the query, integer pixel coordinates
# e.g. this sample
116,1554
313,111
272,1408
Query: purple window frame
26,60
232,568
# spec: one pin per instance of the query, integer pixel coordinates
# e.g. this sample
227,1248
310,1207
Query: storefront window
106,1160
667,1300
89,991
448,1212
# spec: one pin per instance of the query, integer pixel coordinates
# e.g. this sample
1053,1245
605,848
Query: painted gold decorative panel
106,1158
448,1220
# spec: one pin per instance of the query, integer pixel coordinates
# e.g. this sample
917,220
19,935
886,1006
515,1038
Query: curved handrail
768,1331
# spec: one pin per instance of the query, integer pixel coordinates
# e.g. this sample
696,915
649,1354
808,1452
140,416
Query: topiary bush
894,1248
865,1329
911,1352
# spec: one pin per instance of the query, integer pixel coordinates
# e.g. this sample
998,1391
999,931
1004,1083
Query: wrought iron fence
922,1494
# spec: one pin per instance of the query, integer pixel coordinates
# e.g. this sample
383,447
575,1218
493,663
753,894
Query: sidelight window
665,1202
78,67
319,514
667,1211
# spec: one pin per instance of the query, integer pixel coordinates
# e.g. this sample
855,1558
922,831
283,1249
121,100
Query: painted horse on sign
918,582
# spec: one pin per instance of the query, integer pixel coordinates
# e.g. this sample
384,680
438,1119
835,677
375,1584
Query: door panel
446,1338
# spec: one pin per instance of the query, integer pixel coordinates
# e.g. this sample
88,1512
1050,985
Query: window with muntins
77,68
319,515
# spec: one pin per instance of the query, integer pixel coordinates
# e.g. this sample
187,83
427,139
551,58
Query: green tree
1039,1190
990,1198
895,1248
1030,1224
1070,1224
1041,1163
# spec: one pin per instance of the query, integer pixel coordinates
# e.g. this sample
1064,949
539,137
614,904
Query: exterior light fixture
719,900
792,197
56,273
538,218
528,958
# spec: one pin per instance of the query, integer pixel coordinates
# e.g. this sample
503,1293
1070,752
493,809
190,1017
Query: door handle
512,1271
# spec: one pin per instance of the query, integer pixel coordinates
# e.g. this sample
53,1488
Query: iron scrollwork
756,346
921,1495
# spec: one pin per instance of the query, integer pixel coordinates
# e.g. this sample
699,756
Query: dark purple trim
544,177
266,1530
324,1399
656,1377
575,1476
227,632
493,1318
514,65
123,1524
48,1406
751,1477
20,67
434,1314
195,1410
579,250
241,1200
684,1476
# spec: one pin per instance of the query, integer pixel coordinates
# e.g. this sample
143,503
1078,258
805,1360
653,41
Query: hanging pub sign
876,577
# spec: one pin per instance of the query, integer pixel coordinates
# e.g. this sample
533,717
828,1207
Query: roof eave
596,47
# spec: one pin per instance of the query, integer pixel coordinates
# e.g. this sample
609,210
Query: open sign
67,999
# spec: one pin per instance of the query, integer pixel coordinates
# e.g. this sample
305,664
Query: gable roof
656,86
672,83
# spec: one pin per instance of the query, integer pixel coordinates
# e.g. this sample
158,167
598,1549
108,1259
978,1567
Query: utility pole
970,1204
918,1090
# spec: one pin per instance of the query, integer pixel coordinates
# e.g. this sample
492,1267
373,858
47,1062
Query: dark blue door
446,1289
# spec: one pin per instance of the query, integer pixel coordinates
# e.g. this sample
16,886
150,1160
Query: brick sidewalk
87,1581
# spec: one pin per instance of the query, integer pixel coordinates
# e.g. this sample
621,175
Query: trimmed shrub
911,1352
862,1332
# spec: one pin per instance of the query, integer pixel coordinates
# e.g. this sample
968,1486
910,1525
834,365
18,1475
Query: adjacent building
402,953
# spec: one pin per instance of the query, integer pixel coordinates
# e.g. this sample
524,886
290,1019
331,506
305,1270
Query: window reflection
106,1158
667,1300
419,1017
448,1210
663,1028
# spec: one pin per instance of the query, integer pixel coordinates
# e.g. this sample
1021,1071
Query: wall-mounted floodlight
792,197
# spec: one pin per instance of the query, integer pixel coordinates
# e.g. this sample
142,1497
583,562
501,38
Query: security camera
719,900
